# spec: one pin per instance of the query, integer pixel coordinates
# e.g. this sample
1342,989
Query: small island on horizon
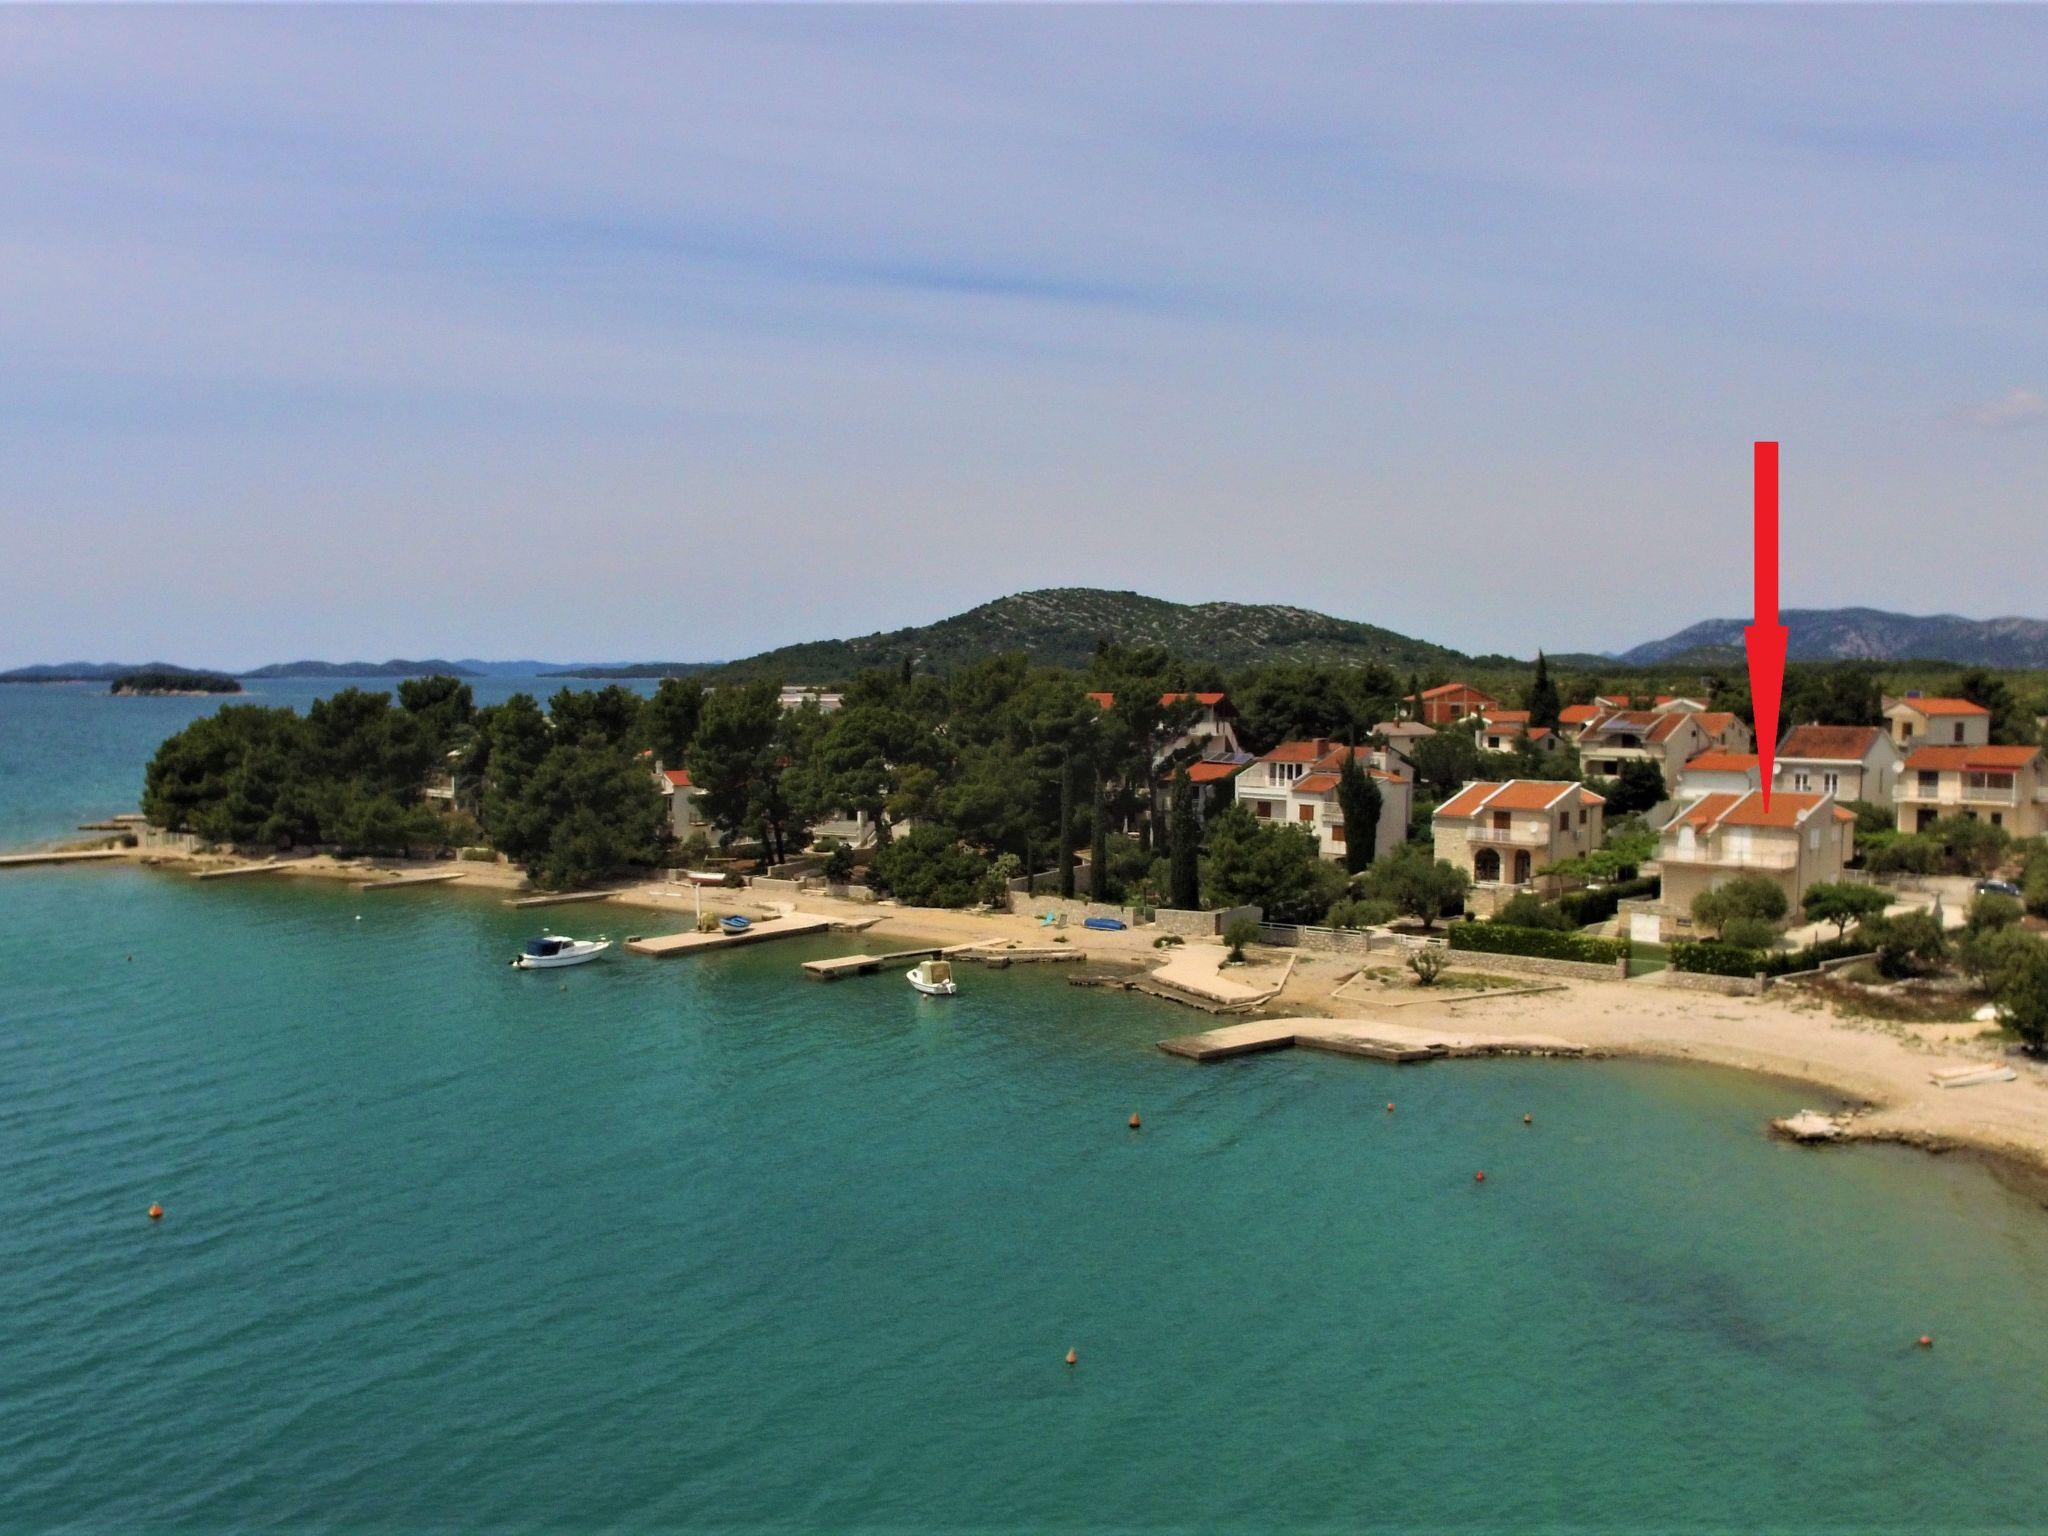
167,684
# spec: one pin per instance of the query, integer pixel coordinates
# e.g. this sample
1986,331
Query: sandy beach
1882,1070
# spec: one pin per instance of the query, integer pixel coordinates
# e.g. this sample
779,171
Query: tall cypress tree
1066,847
1543,701
1359,798
1098,846
1186,870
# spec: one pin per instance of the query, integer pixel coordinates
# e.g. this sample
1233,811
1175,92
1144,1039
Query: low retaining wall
1726,986
1333,941
1074,911
1202,925
769,886
1534,965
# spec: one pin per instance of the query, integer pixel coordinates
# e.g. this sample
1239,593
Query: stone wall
1534,965
1332,941
1202,925
781,890
1726,986
1074,911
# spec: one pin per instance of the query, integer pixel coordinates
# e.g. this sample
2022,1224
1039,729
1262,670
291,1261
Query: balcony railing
1521,837
1725,858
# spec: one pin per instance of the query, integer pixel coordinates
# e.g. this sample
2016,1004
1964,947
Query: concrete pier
405,882
1360,1037
69,856
788,926
265,867
979,953
558,898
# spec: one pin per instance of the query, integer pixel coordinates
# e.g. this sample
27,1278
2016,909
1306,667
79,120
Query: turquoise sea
697,1245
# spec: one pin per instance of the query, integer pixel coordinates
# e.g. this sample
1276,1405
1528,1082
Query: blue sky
682,333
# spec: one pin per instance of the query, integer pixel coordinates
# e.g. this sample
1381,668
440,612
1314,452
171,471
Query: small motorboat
1106,924
552,949
735,924
934,978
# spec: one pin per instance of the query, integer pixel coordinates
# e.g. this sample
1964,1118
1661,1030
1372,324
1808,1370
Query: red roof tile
680,777
1716,761
1299,751
1103,700
1971,759
1212,772
1830,743
1210,699
1929,706
1514,795
1788,809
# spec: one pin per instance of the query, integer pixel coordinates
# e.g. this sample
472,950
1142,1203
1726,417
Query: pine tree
1185,878
1359,798
1543,701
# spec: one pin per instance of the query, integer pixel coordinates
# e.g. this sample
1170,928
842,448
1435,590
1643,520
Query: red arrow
1765,639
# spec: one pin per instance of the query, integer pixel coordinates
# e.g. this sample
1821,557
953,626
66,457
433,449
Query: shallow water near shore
699,1244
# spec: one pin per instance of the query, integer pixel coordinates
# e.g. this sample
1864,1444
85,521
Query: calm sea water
698,1245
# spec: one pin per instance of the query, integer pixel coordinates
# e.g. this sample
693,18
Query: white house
1297,782
1850,762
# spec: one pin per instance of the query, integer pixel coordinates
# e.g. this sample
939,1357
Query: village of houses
1927,758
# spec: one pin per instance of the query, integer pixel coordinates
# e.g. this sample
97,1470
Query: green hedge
1542,943
1710,957
1586,908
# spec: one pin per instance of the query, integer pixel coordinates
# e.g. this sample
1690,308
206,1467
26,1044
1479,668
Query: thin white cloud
2014,408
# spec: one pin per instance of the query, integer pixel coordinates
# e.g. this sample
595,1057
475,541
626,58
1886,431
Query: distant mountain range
1062,626
1861,634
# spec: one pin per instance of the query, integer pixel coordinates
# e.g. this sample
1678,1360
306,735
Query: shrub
1906,944
1505,939
1749,933
838,862
1527,910
2023,997
1240,933
1747,896
2035,890
1417,882
1427,963
1990,912
929,867
1714,957
1361,912
1990,956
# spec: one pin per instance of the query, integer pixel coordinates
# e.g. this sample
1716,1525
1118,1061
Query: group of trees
348,773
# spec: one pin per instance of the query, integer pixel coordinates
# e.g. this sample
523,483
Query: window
1308,813
1564,821
1337,832
1582,815
1831,782
1263,809
1958,729
1929,782
1802,780
1998,818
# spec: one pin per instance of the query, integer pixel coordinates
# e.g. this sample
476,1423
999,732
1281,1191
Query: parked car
1998,888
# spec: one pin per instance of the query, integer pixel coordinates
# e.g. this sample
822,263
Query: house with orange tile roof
1297,782
2001,785
685,812
1715,772
1669,738
1504,835
1211,733
1800,840
1920,720
1850,762
1446,702
1500,730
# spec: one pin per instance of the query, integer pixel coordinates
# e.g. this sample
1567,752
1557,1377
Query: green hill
1062,627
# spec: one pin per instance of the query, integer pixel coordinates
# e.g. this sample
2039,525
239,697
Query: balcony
1727,858
1525,836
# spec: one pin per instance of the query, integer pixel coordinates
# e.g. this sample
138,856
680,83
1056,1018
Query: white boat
552,949
934,978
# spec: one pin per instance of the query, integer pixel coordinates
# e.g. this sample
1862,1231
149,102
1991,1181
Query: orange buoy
1479,1177
1927,1341
1073,1356
1390,1106
1134,1122
156,1213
